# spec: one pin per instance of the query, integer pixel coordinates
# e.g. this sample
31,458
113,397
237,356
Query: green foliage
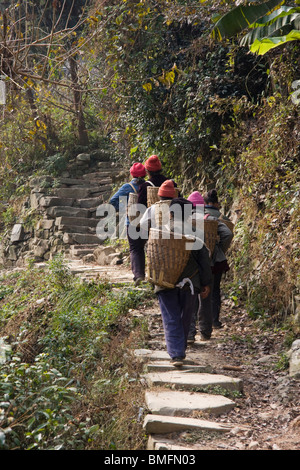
59,332
269,28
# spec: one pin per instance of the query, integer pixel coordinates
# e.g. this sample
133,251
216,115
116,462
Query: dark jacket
219,259
156,180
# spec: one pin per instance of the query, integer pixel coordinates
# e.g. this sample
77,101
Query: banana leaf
240,18
280,27
262,46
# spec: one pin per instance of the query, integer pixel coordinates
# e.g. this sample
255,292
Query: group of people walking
184,306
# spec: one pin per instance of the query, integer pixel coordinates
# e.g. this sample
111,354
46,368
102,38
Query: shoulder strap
133,187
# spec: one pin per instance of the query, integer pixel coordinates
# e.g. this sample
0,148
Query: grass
69,380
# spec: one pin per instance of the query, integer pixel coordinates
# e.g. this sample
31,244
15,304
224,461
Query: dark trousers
207,311
137,256
203,315
177,306
216,297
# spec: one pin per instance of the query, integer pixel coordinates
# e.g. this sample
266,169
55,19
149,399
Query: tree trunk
77,95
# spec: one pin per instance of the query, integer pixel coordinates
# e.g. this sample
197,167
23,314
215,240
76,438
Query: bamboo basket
229,224
131,212
160,209
210,234
166,257
152,195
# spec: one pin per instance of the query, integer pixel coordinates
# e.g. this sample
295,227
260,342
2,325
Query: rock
35,199
294,355
17,233
83,157
89,258
45,224
12,253
101,255
41,248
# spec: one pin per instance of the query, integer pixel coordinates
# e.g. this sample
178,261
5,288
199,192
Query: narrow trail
230,393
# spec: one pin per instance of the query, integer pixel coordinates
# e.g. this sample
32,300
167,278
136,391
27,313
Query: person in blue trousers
136,246
178,304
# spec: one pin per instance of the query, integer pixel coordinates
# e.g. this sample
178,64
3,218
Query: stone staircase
65,208
176,396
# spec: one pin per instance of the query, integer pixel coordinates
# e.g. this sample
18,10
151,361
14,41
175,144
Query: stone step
80,239
159,442
190,381
90,203
66,211
73,193
50,201
77,229
157,355
76,221
93,181
184,403
100,189
81,250
155,424
161,366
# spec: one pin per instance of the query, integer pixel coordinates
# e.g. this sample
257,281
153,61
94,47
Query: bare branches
35,42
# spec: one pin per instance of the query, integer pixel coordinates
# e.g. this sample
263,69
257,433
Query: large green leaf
262,46
278,27
241,17
275,15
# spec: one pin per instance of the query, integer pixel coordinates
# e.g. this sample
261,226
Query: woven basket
210,234
160,208
131,212
166,257
229,224
152,195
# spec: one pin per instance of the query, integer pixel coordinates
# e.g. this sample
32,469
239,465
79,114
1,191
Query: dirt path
270,402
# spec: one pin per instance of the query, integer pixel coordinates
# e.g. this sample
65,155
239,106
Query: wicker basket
210,234
229,224
166,257
131,212
152,195
160,208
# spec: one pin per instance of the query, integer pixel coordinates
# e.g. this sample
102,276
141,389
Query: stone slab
155,424
158,442
189,381
90,202
78,221
50,201
183,403
78,229
80,239
61,211
165,366
74,193
155,355
17,233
